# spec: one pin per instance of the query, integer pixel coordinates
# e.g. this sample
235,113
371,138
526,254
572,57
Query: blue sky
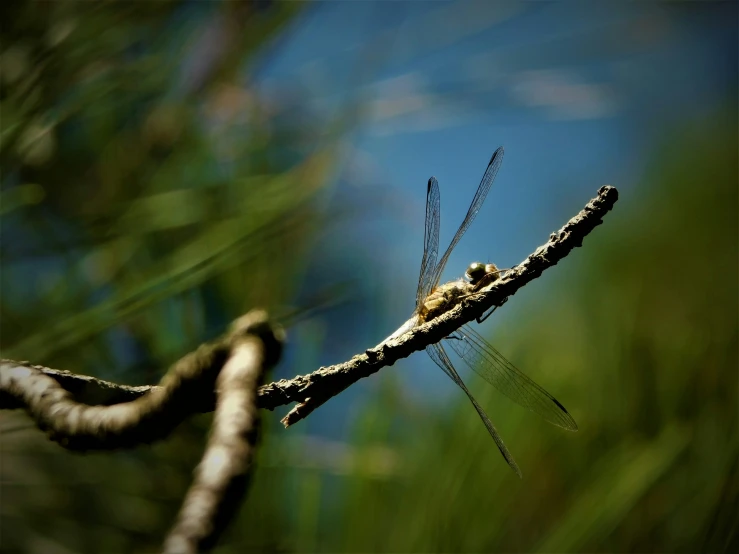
575,92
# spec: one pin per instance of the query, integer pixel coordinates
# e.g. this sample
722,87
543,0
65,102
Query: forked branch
312,390
84,413
225,470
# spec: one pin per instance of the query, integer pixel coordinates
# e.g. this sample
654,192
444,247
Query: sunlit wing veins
492,366
430,242
437,353
482,191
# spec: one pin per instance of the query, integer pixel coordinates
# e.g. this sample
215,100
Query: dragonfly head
477,270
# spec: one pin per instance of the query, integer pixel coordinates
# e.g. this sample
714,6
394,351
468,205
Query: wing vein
482,191
492,366
437,353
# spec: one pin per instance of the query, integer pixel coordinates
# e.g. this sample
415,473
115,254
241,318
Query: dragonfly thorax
444,298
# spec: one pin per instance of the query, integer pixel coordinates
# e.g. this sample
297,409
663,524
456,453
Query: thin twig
223,475
312,390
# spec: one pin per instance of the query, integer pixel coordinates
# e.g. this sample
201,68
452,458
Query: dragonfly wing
430,242
492,366
403,329
482,191
437,353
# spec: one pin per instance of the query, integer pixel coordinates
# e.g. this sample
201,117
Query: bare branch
223,475
312,390
187,388
321,385
84,388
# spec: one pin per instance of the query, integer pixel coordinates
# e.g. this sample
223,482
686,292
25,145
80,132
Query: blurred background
167,166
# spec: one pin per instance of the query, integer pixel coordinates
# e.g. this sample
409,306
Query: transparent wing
430,242
477,201
492,366
437,353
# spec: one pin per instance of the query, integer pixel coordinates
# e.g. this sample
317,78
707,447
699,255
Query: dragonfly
433,300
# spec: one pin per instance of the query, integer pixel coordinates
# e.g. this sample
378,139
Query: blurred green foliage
149,196
122,190
139,217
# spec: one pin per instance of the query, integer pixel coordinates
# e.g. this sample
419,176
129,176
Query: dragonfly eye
475,272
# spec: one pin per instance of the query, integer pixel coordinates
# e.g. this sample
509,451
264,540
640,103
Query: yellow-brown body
444,297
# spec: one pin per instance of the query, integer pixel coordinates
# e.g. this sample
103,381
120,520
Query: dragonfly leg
486,315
